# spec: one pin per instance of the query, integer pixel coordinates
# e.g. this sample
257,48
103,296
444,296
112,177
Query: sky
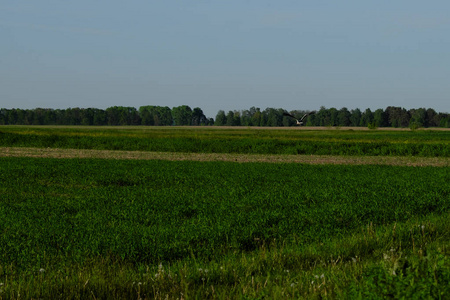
225,55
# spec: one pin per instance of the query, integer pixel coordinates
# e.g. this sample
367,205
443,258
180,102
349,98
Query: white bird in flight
299,121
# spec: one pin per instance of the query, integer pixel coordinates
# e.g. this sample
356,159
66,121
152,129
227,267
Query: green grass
98,228
425,143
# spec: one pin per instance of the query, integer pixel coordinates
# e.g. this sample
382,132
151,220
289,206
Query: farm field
294,141
107,224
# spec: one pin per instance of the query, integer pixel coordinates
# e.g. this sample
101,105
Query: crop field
294,141
256,224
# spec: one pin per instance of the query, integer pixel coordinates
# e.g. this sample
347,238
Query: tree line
390,117
116,115
183,115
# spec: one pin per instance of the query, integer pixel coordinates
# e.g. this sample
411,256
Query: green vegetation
151,115
425,143
96,228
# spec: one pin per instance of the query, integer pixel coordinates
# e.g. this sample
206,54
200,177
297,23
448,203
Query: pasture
105,226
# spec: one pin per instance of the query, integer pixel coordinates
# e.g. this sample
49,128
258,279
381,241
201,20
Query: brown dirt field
240,158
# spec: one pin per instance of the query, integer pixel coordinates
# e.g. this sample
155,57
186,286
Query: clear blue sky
225,55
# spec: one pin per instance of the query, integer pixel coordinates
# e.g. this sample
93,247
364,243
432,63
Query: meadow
118,228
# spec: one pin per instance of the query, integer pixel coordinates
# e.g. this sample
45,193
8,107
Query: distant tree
246,118
237,118
404,118
74,116
99,117
418,117
3,116
146,113
29,117
432,119
155,115
288,121
38,116
444,120
380,118
113,115
322,117
182,115
60,116
311,120
87,116
397,116
274,117
343,117
366,118
165,116
334,119
129,116
355,117
221,118
198,117
230,119
12,117
255,113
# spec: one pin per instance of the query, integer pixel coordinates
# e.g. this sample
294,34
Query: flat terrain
223,213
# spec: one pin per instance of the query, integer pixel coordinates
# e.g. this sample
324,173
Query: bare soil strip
241,158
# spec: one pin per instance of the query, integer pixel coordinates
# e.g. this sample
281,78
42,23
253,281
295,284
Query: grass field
423,143
98,227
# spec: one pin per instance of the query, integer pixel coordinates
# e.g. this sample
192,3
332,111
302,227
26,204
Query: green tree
146,114
334,117
380,118
418,117
182,115
274,117
155,115
221,118
165,116
230,118
246,118
432,119
255,113
355,117
198,117
237,118
12,117
99,117
343,118
397,116
444,120
322,117
113,115
50,117
87,116
4,116
366,118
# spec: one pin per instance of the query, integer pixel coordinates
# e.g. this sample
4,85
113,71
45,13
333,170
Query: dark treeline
116,115
184,115
389,117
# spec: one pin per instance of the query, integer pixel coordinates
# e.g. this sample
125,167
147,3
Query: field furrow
241,158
